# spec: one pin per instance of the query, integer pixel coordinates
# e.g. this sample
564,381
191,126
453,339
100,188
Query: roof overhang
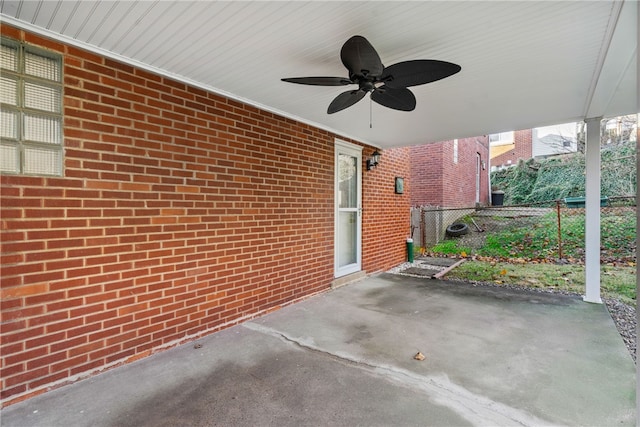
524,64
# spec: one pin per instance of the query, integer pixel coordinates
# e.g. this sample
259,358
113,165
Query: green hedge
555,178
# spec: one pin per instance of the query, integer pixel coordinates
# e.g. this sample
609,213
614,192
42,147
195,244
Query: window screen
31,113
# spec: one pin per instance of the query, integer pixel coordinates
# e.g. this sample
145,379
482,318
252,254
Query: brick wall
438,180
180,212
522,149
386,215
427,169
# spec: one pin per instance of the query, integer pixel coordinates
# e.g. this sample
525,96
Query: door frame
343,147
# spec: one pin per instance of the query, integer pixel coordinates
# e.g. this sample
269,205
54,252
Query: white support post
592,210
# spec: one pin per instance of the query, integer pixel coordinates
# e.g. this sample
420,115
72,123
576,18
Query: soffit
524,64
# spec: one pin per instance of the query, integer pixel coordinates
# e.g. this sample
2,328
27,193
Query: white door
348,208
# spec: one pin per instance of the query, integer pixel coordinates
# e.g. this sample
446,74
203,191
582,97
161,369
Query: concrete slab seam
479,410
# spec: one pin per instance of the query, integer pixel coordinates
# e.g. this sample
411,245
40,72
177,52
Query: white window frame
501,138
455,151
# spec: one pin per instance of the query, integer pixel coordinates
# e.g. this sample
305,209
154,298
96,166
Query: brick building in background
164,212
509,147
450,173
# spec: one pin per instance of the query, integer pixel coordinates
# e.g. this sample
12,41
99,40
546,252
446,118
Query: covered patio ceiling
524,64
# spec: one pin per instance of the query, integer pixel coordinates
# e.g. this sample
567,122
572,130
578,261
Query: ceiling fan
387,85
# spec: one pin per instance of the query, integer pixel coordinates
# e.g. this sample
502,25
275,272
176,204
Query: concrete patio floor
344,358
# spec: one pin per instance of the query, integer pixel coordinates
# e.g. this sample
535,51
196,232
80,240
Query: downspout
489,169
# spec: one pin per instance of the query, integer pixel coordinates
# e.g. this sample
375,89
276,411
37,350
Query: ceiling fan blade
345,99
418,72
360,58
319,81
398,99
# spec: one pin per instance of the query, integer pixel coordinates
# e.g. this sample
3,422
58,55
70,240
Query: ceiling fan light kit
387,85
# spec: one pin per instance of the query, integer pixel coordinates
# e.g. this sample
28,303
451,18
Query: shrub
535,181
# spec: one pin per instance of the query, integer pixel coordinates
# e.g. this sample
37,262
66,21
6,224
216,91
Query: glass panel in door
347,210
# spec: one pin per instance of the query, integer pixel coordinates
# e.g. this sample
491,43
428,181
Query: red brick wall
522,149
180,212
386,215
427,170
439,181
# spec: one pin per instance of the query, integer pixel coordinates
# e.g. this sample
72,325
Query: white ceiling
524,64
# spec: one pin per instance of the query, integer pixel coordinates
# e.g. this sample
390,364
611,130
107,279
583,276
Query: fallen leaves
548,259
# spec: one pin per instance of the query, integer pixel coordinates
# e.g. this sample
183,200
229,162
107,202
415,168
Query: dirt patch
476,238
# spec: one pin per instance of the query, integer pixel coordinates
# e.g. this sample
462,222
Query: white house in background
556,139
509,147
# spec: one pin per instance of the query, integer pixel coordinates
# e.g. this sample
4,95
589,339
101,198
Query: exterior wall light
374,160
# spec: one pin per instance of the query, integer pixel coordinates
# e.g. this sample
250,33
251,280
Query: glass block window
31,110
9,124
9,57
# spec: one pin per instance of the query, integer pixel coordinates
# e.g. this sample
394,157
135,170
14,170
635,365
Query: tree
616,130
581,136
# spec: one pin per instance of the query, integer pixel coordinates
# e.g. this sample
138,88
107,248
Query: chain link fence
546,231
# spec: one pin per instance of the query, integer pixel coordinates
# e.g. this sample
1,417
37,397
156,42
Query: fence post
559,230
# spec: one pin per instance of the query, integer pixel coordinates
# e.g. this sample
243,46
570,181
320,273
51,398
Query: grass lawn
524,252
616,282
